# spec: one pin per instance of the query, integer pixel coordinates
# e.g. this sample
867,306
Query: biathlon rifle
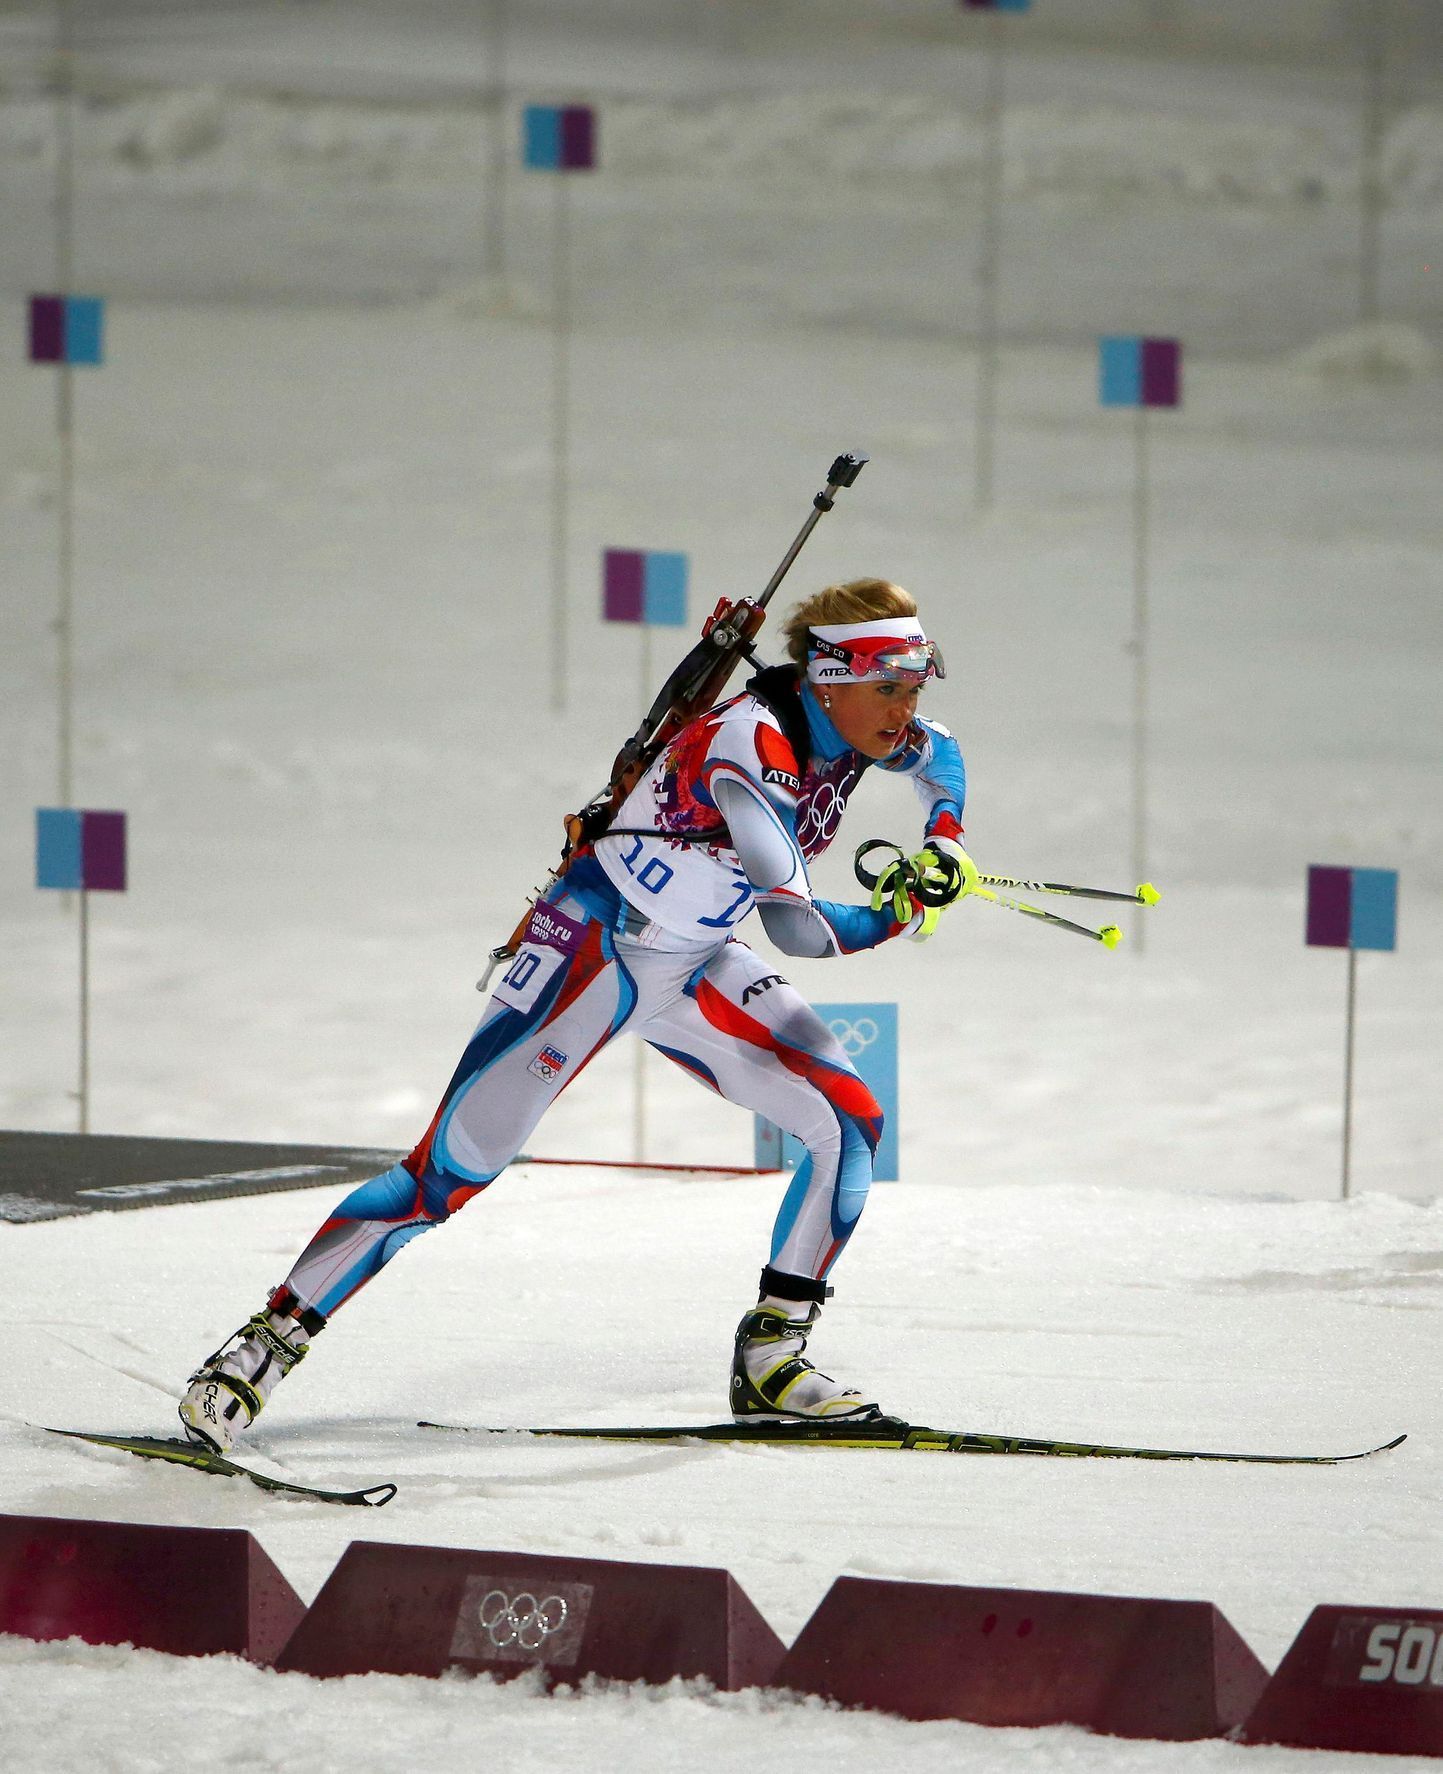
695,686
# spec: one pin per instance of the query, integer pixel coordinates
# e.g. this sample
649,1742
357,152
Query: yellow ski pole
1109,936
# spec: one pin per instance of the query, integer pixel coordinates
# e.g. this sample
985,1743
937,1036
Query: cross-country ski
178,1452
907,1438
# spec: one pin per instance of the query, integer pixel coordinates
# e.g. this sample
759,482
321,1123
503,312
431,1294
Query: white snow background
313,533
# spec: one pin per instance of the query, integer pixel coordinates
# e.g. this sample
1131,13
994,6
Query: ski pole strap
905,874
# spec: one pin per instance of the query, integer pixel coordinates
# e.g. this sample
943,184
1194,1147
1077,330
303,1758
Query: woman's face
872,716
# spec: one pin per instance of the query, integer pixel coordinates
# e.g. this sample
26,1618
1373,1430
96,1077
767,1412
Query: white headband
828,668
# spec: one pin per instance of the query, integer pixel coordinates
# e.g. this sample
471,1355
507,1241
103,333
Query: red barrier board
191,1591
1123,1665
1358,1679
420,1610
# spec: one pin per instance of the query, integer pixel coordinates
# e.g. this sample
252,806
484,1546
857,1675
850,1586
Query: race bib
531,971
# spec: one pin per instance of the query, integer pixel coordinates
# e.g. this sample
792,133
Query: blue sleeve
933,760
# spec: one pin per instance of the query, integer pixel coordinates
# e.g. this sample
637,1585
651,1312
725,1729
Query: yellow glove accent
892,885
930,865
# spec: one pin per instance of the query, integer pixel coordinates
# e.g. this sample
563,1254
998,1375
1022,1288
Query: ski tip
1109,936
1147,893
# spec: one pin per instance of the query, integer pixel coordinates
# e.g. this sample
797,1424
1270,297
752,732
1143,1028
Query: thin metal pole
1139,661
1348,1073
493,219
65,606
1371,176
989,260
561,370
84,1092
64,415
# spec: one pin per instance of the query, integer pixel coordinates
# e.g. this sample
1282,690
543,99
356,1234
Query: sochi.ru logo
1404,1652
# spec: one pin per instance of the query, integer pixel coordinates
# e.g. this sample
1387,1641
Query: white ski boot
771,1379
229,1389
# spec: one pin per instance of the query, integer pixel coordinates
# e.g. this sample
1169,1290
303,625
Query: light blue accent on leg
854,1180
385,1197
790,1211
370,1264
849,1192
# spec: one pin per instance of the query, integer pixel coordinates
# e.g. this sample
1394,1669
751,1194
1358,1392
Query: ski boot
229,1389
771,1379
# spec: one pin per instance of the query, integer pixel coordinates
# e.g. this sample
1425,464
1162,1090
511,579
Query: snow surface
313,532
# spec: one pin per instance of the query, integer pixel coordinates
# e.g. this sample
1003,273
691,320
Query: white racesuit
638,935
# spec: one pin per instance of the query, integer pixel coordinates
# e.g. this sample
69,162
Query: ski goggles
898,659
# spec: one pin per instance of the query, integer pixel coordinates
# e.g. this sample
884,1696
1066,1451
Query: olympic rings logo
521,1621
821,810
855,1037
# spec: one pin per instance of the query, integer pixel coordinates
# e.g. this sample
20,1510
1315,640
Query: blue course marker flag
558,138
664,591
77,850
1120,372
1138,372
57,848
67,329
1375,909
84,329
868,1034
643,585
1352,908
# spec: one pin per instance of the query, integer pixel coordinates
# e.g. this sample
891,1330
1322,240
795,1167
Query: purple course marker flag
623,585
102,852
47,329
578,138
1161,373
1330,907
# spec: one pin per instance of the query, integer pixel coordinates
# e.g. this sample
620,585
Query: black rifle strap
779,688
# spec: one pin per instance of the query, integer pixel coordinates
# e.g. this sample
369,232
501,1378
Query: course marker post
647,587
84,852
66,331
989,259
1351,909
1139,373
559,139
1370,179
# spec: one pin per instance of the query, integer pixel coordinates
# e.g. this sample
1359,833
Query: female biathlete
638,934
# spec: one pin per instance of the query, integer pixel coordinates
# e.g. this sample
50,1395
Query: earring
826,702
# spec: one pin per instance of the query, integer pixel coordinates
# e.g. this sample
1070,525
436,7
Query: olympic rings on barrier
521,1619
855,1037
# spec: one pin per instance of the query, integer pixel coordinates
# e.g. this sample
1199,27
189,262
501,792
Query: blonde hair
859,600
